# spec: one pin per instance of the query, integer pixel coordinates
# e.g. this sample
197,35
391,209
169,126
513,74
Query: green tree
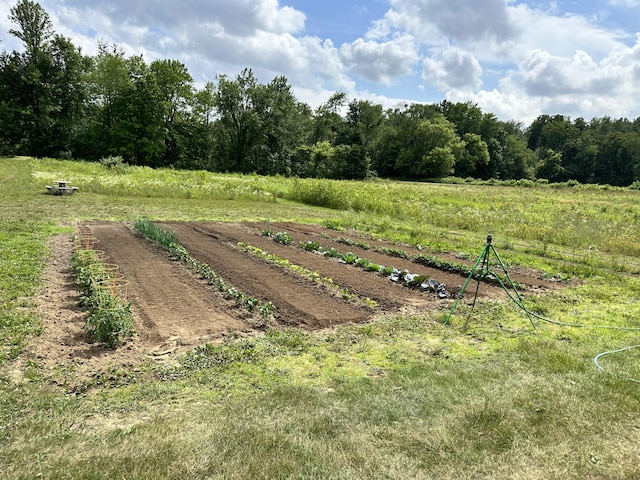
618,159
328,123
239,126
284,123
519,161
138,134
173,87
549,164
35,28
201,145
475,154
432,151
33,98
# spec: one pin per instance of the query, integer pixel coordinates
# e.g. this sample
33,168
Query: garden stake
483,262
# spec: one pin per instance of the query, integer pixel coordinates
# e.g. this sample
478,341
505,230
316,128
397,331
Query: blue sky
515,58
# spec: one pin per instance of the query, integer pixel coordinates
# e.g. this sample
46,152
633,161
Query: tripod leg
484,269
519,302
481,257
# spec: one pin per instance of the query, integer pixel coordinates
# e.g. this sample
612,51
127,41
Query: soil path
298,301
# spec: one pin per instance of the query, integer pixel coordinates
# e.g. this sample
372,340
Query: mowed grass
485,396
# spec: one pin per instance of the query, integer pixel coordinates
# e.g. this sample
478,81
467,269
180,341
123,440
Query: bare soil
174,310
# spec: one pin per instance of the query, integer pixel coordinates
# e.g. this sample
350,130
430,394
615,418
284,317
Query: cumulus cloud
237,17
574,86
465,20
453,68
544,75
379,62
449,22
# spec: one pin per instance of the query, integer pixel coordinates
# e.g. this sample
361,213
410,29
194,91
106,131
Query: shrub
114,162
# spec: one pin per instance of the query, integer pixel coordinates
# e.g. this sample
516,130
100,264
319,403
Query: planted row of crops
103,292
305,272
394,274
168,241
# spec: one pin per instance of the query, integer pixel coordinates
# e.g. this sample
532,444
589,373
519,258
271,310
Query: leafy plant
302,271
110,321
114,162
392,252
282,237
153,232
331,252
310,246
349,258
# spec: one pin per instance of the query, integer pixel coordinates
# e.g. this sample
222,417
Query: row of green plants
394,274
168,241
102,291
304,272
424,259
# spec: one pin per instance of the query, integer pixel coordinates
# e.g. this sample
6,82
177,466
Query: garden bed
174,309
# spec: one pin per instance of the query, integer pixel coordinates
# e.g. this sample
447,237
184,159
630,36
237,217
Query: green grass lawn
484,396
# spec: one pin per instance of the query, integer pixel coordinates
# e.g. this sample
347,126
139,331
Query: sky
517,59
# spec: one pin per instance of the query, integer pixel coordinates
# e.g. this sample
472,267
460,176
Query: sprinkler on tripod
482,269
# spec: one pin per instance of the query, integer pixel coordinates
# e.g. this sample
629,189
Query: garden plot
174,309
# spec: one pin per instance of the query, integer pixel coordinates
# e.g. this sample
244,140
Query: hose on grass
579,325
518,301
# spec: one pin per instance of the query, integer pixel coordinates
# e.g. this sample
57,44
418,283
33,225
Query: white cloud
453,68
576,86
379,62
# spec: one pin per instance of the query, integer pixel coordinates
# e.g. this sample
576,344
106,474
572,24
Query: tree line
57,102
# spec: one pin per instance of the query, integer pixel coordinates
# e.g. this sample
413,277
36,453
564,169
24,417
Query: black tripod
484,270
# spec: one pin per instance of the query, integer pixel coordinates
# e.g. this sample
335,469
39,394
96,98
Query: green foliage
282,237
392,252
153,232
310,245
304,272
110,320
114,162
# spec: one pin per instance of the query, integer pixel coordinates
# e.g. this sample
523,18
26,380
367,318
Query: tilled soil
174,310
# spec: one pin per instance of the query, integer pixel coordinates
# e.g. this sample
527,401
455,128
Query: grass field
484,396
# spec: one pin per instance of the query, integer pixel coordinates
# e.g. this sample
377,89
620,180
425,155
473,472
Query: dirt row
174,309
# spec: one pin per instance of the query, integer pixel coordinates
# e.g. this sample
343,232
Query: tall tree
34,97
34,28
432,151
284,122
174,94
328,122
239,124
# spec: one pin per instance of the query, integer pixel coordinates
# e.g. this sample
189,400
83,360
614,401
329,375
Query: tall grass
579,221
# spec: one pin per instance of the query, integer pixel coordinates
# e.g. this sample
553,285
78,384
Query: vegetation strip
101,288
426,260
168,241
403,277
305,272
